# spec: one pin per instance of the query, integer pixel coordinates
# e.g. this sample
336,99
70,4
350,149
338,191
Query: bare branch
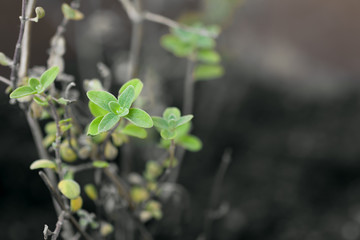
5,80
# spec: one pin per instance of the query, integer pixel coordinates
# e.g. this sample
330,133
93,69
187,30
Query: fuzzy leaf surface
136,83
134,131
94,126
101,98
140,118
126,98
22,92
69,188
108,122
48,77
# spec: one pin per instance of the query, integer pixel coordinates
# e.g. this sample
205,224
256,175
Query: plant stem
57,138
55,194
59,224
5,80
16,58
189,83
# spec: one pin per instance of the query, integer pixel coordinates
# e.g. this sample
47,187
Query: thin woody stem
16,58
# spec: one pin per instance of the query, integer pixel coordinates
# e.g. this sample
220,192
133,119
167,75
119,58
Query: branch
16,58
57,197
5,80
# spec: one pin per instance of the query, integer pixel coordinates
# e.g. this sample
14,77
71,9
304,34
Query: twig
153,17
188,97
25,49
16,58
55,194
57,138
215,193
59,224
5,80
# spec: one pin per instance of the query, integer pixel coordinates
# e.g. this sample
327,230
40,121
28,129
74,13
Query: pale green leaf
22,92
208,56
34,84
43,163
126,98
117,109
108,122
205,72
48,77
94,126
101,98
160,123
91,191
190,142
97,111
172,113
70,13
136,83
134,131
184,119
100,164
139,117
167,134
69,188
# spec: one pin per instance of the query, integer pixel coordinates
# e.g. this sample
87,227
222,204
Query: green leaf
48,77
69,188
176,46
108,122
4,60
101,98
91,191
70,13
94,126
40,13
183,129
205,42
139,117
43,163
126,98
190,142
136,83
134,131
183,120
50,128
76,204
117,109
204,72
22,92
208,56
100,164
40,101
160,122
97,111
172,113
167,134
34,84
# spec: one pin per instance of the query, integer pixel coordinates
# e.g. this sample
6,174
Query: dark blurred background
288,106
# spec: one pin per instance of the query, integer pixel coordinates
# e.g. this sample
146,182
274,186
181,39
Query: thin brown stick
55,194
16,58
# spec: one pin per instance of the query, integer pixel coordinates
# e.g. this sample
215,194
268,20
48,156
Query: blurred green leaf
91,191
70,13
94,126
166,134
205,72
208,56
171,113
100,164
184,119
43,163
190,142
134,131
160,123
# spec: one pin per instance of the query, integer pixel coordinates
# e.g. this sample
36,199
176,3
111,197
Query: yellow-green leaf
70,13
43,163
76,204
69,188
91,191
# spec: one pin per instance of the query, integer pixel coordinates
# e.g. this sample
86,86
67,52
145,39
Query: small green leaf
139,117
76,204
91,191
208,56
94,126
62,101
190,142
205,42
126,98
22,92
183,129
101,98
4,60
40,12
108,122
177,46
69,188
40,101
172,113
204,72
117,109
48,77
184,119
70,13
50,128
97,111
160,123
134,131
167,135
136,83
34,84
42,163
100,164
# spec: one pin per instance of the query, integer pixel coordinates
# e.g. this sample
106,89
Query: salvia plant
67,147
